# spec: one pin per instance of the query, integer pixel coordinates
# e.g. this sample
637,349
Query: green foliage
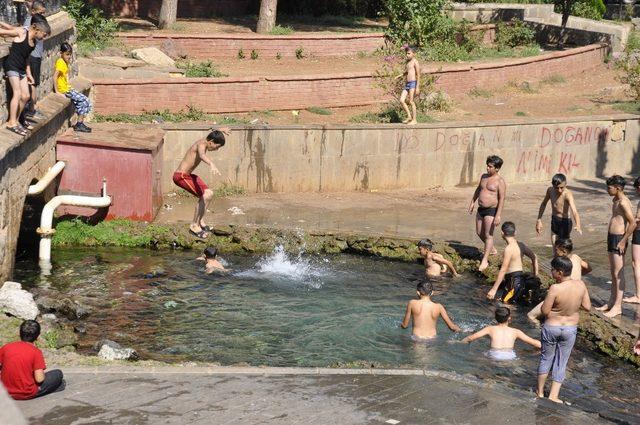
513,34
629,64
300,53
318,110
438,101
281,30
521,114
590,9
254,55
241,54
190,114
554,79
628,107
633,42
387,115
419,22
229,189
106,233
50,338
94,31
205,69
480,92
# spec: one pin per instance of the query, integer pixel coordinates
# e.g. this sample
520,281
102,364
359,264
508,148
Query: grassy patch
521,114
188,115
386,116
628,107
50,338
479,92
205,69
554,79
281,30
106,233
229,189
318,110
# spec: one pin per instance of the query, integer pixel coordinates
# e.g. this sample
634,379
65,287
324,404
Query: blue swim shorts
411,85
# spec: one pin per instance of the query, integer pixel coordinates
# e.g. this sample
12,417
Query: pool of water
281,310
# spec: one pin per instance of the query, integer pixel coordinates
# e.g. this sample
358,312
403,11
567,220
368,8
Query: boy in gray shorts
561,309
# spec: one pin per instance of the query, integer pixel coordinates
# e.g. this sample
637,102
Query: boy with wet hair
210,256
23,366
621,226
412,86
563,207
424,314
183,177
635,248
433,261
511,276
561,309
503,337
490,195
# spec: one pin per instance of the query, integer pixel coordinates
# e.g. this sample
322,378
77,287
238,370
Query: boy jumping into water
511,276
412,86
635,249
424,314
562,204
621,226
193,184
490,195
561,309
502,336
433,261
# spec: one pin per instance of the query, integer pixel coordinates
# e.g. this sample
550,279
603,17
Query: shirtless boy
621,227
511,276
561,309
210,257
564,248
635,249
425,313
412,86
490,195
502,336
433,261
562,204
193,184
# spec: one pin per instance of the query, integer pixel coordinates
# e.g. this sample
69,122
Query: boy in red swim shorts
193,184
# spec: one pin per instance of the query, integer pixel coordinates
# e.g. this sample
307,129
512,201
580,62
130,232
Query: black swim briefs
612,243
514,287
636,237
561,226
487,211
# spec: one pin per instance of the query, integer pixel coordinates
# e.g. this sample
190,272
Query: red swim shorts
190,182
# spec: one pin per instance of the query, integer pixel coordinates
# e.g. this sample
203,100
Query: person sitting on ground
183,177
424,314
80,102
502,336
563,248
433,262
511,277
17,68
23,366
210,256
561,309
563,207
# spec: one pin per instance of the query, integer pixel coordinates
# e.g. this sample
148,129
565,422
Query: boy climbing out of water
621,226
563,208
564,248
433,261
490,195
503,337
635,249
210,257
411,87
424,314
184,177
511,276
561,309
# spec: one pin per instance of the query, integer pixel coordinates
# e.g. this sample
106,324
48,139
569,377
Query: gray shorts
16,74
557,343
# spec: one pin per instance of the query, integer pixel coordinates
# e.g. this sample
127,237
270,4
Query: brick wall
219,95
186,8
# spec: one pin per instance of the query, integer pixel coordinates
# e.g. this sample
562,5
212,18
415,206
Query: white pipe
46,180
46,230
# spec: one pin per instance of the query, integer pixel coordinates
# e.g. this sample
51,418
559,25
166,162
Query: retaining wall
367,157
219,95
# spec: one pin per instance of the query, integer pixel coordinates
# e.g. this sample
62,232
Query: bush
419,23
94,31
629,64
590,9
514,33
204,69
280,30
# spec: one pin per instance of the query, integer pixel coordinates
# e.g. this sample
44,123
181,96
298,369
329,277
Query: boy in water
210,256
621,226
412,86
561,204
511,276
193,184
425,313
564,248
561,309
433,261
490,194
635,249
502,336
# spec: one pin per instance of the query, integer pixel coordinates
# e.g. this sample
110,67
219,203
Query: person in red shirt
22,366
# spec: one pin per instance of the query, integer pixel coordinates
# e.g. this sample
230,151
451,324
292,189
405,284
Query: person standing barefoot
635,250
490,195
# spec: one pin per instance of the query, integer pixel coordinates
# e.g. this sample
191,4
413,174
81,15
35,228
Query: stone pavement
219,395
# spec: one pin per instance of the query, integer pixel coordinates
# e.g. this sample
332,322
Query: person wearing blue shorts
411,87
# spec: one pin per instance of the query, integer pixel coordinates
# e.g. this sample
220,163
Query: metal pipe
46,180
46,230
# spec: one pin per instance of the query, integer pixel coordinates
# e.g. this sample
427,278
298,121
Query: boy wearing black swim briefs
635,249
563,208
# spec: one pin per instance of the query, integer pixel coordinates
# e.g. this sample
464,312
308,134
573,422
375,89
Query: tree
168,13
565,7
267,19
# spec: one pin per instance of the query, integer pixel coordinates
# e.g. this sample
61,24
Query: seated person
23,366
210,256
434,262
503,337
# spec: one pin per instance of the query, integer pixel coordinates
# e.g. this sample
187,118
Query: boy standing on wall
35,61
490,195
193,184
562,204
412,86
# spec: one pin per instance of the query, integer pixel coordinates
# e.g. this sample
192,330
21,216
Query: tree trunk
267,19
168,13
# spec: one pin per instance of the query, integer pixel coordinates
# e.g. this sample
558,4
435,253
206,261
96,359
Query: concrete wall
335,158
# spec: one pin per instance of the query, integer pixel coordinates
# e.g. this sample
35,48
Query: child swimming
425,313
503,337
212,264
433,261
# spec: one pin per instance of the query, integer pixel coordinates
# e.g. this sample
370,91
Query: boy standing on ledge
561,204
193,184
412,86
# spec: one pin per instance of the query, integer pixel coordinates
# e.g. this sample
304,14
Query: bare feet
631,300
412,122
603,307
613,312
539,395
556,400
483,265
494,252
406,121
